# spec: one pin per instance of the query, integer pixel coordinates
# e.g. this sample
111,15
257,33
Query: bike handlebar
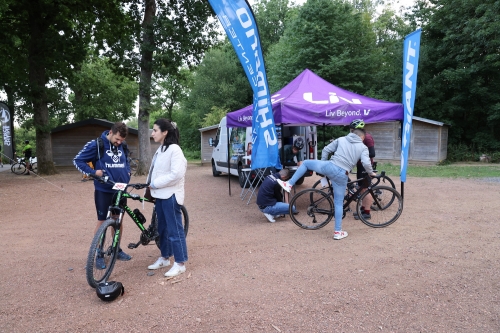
105,179
381,175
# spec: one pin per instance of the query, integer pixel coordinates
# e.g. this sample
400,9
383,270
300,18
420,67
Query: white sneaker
286,186
270,218
176,270
161,262
339,235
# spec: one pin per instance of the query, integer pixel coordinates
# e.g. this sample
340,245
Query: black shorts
102,202
360,171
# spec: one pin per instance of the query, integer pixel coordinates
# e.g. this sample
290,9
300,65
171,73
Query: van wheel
300,181
215,173
241,177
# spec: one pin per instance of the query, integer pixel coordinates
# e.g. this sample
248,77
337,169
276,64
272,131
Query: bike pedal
133,246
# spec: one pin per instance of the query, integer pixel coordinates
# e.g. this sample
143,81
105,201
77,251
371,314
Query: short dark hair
284,174
121,128
173,132
359,132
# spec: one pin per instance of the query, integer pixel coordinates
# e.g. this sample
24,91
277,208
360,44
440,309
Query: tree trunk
147,48
38,94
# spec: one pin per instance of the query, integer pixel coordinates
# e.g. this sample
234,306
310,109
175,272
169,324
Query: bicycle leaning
20,168
316,208
106,241
133,162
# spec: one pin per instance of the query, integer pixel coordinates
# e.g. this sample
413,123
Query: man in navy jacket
110,160
270,197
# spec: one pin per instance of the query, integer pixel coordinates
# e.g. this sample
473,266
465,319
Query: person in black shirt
270,197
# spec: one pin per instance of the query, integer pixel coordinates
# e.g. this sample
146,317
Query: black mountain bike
317,209
106,241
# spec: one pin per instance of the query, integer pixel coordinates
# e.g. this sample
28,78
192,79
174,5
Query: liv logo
333,99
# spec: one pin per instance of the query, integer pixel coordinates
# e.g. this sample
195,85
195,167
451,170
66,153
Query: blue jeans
338,178
280,208
172,238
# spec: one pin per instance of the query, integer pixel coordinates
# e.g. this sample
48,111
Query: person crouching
270,196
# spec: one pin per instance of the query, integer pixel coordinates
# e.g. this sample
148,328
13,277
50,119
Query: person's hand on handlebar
373,174
99,173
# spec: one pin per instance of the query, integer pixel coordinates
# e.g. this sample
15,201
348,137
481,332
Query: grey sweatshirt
348,151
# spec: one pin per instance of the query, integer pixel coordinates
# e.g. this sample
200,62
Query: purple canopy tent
310,100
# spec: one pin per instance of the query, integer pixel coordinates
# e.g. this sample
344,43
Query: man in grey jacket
348,150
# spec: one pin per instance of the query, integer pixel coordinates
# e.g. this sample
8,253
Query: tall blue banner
239,23
5,121
410,69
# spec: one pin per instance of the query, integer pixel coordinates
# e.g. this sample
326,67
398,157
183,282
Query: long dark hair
172,135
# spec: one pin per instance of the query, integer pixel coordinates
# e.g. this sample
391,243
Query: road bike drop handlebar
367,177
133,196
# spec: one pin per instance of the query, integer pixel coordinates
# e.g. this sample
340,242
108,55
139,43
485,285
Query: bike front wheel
102,253
18,168
185,223
314,209
388,205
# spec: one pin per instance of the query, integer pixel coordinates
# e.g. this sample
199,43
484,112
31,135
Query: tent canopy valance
310,100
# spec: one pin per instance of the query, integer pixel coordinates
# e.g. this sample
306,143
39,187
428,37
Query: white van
240,148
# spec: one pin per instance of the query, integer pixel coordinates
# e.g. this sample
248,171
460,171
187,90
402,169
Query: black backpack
100,149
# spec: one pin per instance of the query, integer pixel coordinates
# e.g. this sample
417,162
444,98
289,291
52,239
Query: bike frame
121,208
362,185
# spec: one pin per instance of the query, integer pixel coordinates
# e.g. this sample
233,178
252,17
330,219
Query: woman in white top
166,181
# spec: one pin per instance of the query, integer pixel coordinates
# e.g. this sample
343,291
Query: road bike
316,208
352,185
20,168
106,242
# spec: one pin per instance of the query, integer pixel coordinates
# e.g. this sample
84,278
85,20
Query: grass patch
445,171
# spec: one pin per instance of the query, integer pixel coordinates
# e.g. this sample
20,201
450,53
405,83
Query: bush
462,153
192,155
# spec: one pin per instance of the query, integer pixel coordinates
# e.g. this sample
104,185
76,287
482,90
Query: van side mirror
212,142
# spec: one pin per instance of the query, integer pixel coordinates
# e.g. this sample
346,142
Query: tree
459,70
271,17
219,81
52,38
331,39
102,93
170,90
390,30
172,34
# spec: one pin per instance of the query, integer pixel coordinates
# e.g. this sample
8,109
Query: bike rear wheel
34,167
185,223
18,168
388,204
315,209
103,249
134,163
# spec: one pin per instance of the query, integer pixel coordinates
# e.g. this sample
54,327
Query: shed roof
204,129
438,123
91,121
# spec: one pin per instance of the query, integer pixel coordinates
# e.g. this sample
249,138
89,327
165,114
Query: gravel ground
434,270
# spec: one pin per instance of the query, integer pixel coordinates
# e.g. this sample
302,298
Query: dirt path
435,270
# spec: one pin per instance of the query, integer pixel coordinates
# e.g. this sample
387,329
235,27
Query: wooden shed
206,150
428,140
68,140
